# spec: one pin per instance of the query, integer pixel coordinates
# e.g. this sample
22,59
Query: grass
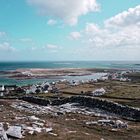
84,132
126,93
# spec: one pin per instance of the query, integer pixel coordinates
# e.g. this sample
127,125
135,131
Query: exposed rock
3,135
33,118
14,131
118,124
112,107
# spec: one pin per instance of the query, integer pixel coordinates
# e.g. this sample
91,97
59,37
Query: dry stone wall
118,109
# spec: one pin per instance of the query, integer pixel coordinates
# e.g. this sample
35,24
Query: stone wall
118,109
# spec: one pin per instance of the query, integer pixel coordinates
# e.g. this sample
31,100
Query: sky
62,30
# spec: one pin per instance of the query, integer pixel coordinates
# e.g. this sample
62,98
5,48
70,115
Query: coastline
27,76
73,102
23,74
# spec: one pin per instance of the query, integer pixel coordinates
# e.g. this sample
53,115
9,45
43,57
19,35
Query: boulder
3,135
14,131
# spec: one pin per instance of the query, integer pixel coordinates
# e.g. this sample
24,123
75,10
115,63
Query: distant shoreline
23,73
33,76
49,73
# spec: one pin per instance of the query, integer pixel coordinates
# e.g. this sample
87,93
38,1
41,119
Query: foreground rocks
3,135
115,124
32,125
66,121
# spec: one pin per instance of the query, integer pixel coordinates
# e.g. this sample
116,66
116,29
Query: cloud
67,10
26,40
51,22
129,17
75,35
103,37
51,46
6,47
2,34
128,35
118,40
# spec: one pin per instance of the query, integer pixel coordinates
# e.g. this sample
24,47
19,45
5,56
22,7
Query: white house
99,92
104,78
2,88
1,94
46,87
31,90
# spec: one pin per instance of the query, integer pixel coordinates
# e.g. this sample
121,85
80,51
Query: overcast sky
69,30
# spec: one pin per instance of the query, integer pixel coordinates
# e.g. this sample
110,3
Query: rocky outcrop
112,107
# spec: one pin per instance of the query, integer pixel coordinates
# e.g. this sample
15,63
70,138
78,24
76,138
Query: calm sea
5,66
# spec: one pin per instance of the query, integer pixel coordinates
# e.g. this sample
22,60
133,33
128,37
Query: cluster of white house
45,87
7,89
38,88
119,76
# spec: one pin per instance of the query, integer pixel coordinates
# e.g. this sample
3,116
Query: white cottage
2,88
99,92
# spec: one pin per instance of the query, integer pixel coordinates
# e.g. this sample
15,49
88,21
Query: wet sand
22,74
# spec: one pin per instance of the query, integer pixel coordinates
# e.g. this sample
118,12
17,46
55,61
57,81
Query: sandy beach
21,74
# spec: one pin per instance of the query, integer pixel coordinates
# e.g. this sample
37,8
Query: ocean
6,66
70,64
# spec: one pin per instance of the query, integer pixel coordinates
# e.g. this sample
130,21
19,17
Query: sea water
6,66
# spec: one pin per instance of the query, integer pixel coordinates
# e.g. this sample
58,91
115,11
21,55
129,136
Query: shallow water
6,66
